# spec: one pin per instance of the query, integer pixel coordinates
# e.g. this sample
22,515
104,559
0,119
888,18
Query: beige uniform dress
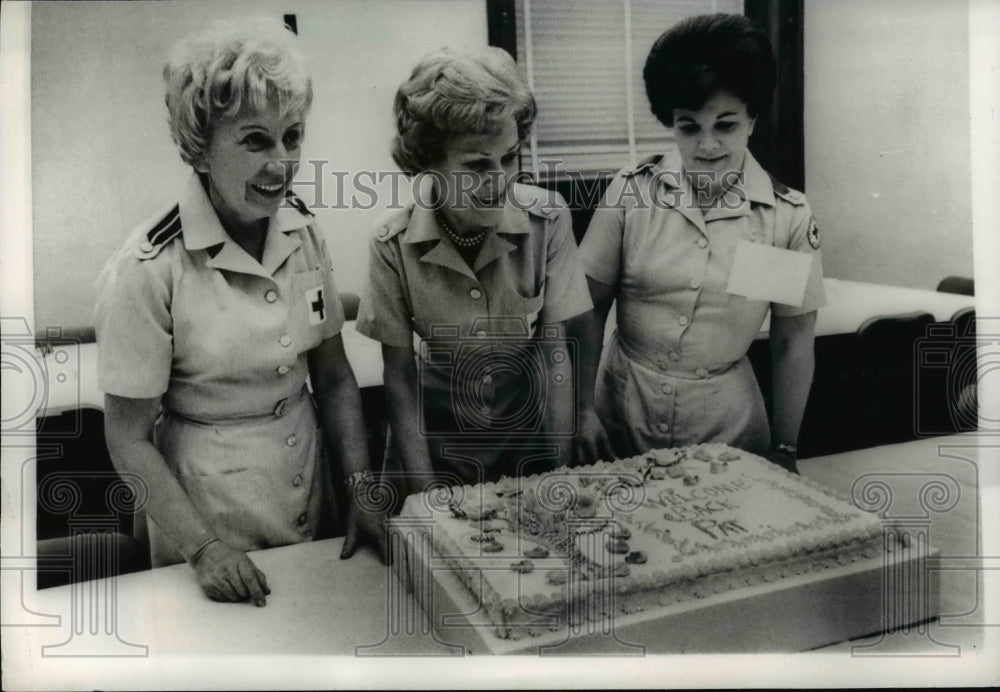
477,329
185,314
676,371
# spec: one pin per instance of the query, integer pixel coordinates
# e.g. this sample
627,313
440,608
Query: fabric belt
662,363
277,408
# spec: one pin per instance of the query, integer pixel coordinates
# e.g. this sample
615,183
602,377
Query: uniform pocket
526,312
237,505
311,305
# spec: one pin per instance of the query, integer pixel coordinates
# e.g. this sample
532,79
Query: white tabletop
850,303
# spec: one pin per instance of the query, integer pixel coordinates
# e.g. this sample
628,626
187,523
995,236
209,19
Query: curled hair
703,55
232,65
451,93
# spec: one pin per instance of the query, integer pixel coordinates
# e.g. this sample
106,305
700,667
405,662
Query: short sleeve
803,236
601,249
384,314
134,327
566,293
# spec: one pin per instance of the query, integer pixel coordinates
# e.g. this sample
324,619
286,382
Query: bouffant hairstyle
702,55
232,65
457,92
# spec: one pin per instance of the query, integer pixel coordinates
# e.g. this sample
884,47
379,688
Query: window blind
584,62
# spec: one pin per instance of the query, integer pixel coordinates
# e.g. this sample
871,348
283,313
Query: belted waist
278,409
449,354
669,362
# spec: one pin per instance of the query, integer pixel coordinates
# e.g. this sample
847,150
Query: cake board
791,614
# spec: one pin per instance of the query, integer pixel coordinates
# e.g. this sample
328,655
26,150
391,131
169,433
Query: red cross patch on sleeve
813,234
316,305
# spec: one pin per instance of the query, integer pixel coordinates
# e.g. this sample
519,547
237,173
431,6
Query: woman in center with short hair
482,271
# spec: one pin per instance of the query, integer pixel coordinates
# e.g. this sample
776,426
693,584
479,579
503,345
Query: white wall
102,158
887,138
886,124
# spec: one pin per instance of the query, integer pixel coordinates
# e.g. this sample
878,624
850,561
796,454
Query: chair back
961,285
965,323
885,373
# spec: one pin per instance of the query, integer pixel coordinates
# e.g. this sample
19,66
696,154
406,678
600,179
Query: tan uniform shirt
679,331
465,318
184,313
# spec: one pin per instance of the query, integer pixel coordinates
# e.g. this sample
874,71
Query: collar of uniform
423,227
756,183
202,230
669,172
289,218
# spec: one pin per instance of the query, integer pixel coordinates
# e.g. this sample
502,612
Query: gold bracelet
201,549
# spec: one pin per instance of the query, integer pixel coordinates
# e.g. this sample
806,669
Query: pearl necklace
461,241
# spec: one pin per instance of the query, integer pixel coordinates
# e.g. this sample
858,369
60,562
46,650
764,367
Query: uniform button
285,340
291,441
271,296
683,320
279,410
146,246
297,481
695,283
283,369
674,355
667,389
702,242
701,372
661,364
476,293
481,333
663,427
302,519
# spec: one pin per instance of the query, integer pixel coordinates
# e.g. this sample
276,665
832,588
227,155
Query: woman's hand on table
227,574
365,519
591,443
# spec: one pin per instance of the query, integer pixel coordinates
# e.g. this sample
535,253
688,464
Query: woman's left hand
591,443
363,522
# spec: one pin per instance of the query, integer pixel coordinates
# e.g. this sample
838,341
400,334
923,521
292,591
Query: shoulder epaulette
160,235
297,202
786,193
392,223
537,200
643,166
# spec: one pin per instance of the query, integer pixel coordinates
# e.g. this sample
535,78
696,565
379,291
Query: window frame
778,141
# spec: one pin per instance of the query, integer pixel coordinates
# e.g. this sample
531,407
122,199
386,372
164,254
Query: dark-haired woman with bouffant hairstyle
676,372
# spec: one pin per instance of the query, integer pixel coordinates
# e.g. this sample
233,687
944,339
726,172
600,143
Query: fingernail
261,603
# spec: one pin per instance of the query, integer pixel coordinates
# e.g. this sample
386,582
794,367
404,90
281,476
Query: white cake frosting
616,537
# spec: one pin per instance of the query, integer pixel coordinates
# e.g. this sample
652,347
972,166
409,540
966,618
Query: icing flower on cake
523,566
537,552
